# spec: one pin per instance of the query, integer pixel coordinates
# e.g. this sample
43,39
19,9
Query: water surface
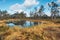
23,23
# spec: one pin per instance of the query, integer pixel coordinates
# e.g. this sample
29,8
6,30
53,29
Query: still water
22,23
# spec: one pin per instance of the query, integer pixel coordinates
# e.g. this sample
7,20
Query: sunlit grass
46,31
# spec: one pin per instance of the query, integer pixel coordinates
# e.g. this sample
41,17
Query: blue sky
13,6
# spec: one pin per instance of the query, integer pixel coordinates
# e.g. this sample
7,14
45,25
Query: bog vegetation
48,30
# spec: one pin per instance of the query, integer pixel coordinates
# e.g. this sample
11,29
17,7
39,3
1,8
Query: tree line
39,13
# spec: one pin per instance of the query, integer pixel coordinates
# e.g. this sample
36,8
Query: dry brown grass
45,31
33,33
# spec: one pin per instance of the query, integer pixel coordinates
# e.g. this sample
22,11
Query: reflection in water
35,23
23,23
28,23
11,24
19,23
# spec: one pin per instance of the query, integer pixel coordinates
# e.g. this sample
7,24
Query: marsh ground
48,30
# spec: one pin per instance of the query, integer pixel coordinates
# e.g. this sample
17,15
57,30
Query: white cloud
16,7
47,9
29,3
24,6
58,1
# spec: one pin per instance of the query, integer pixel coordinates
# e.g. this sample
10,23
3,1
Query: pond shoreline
44,22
